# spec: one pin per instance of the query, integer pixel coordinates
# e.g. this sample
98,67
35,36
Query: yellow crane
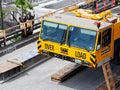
81,36
91,40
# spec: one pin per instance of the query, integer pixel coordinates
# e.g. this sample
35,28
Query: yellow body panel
105,53
65,50
116,30
92,57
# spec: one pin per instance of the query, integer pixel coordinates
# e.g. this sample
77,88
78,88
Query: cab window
106,37
82,38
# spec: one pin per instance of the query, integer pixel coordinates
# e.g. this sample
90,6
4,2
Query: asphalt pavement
39,78
62,4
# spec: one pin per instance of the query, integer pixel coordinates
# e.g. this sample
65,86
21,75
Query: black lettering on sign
64,50
49,47
80,55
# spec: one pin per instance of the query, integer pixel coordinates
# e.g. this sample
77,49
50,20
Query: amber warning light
98,24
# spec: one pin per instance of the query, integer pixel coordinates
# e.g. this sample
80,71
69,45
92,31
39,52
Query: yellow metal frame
94,58
73,52
76,53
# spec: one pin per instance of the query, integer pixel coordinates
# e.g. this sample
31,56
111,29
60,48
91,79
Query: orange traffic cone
113,3
104,4
96,6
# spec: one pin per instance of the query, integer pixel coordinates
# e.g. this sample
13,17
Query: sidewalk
21,54
35,3
39,2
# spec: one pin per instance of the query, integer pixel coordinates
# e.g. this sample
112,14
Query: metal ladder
110,82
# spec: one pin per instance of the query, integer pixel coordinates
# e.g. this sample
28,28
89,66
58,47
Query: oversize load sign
78,54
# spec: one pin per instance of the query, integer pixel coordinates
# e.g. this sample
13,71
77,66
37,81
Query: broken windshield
82,38
53,31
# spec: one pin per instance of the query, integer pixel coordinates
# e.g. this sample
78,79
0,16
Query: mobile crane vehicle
89,39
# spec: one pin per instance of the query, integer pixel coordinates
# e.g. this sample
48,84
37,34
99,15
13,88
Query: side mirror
98,47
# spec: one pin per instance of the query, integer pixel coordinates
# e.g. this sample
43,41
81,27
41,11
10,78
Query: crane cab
76,39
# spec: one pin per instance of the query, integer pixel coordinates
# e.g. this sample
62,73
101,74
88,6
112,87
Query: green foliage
3,13
17,38
23,5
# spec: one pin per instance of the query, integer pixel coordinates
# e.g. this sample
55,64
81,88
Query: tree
2,13
23,5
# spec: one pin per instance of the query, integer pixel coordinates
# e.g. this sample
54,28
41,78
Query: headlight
78,61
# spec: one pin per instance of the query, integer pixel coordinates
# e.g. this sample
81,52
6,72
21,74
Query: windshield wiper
45,39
